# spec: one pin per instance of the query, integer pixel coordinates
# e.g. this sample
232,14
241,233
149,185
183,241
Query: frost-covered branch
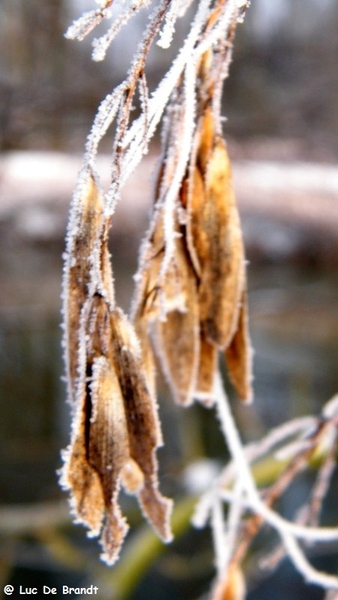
319,438
212,23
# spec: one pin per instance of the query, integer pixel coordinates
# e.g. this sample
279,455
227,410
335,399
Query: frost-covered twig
131,142
288,531
309,513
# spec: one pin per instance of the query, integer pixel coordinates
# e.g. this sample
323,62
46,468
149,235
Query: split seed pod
215,244
177,336
197,307
223,272
115,431
238,355
215,237
84,231
168,304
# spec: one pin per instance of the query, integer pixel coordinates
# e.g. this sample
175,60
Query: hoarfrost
81,27
101,45
166,35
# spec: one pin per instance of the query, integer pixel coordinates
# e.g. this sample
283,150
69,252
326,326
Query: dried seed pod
85,227
115,431
206,139
207,368
77,476
194,307
132,477
238,356
176,333
142,328
170,303
108,450
146,303
215,245
222,265
177,342
100,446
193,198
144,433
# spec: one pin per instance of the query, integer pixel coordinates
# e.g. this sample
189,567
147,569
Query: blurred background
281,105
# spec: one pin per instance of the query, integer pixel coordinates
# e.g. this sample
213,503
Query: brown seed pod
238,356
177,342
169,303
193,194
207,368
206,139
108,449
143,426
215,245
223,266
115,431
194,306
86,224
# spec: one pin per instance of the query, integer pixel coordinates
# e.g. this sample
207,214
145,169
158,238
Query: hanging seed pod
98,451
238,356
193,307
193,197
108,450
115,430
206,139
177,335
144,433
204,391
223,266
85,227
215,245
168,305
147,306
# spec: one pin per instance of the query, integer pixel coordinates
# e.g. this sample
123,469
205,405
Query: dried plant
189,307
115,425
